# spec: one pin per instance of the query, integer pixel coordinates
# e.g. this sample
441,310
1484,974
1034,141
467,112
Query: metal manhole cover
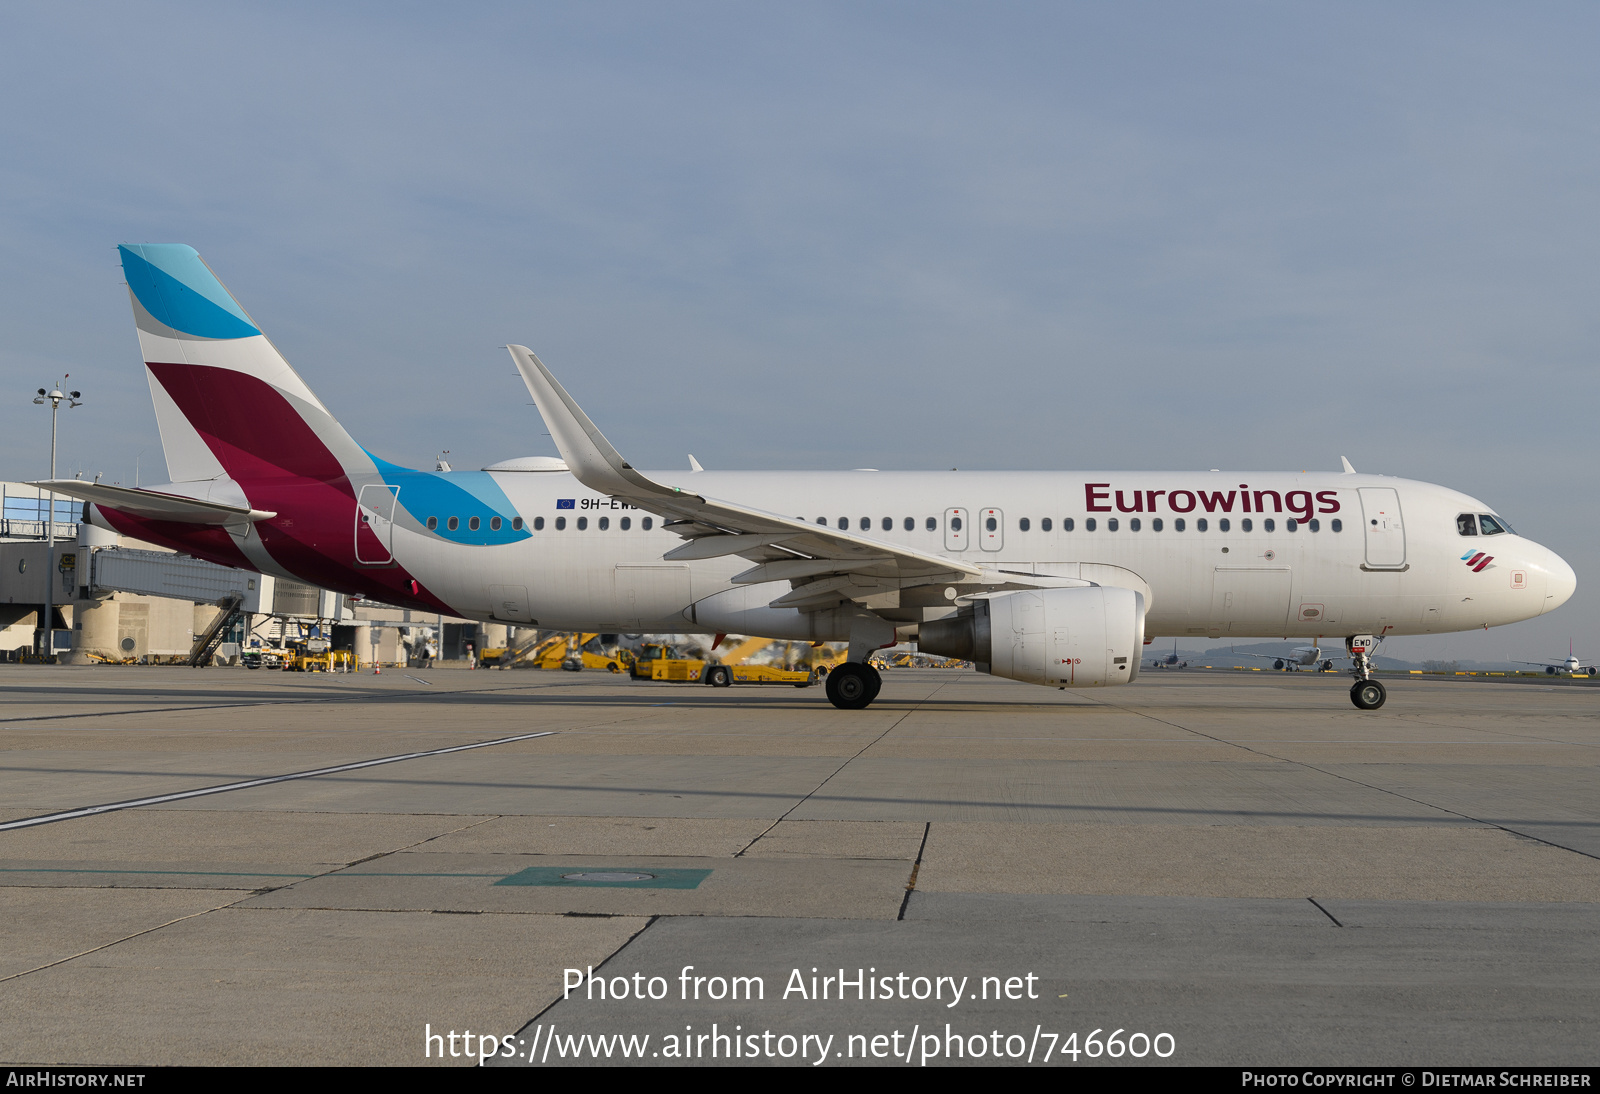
607,875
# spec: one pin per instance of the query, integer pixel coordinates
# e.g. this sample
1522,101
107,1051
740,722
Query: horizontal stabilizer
153,505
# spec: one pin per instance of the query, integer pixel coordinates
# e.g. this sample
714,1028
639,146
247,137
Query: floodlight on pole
55,396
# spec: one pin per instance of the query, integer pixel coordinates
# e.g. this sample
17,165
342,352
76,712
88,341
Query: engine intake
1076,638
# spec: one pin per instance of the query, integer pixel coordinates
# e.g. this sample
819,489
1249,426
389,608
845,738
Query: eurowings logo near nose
1476,561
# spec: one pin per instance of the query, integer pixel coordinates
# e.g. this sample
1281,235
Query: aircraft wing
154,505
824,565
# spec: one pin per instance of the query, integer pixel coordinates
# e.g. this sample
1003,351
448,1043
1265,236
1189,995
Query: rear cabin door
375,525
1386,533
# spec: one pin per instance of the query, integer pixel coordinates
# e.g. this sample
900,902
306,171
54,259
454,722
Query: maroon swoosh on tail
283,466
247,423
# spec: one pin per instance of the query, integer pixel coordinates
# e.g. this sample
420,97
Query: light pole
54,397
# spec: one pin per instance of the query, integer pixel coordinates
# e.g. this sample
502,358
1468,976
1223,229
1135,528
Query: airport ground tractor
1057,578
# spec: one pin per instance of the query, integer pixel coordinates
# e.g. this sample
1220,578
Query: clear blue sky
1250,236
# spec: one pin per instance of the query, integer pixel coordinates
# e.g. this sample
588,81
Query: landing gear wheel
720,677
851,686
876,682
1367,694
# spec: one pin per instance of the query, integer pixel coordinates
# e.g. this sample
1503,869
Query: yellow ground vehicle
300,659
563,651
797,671
722,676
617,662
659,661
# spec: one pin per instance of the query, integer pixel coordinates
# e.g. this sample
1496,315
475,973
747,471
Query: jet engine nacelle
1076,638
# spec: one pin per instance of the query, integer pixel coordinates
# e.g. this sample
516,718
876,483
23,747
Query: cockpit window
1492,526
1467,524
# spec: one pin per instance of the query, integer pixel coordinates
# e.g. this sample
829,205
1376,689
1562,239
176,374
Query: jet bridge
179,577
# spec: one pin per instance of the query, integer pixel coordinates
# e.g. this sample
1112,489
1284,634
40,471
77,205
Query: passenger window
844,524
1223,525
1088,524
1269,525
991,524
1290,525
1067,524
955,524
1133,525
583,524
472,524
494,524
1466,524
1336,524
932,524
1179,524
1155,524
911,524
605,523
433,522
1247,525
1044,524
1315,525
822,521
646,523
1491,527
625,523
453,523
538,524
1023,525
1200,525
516,524
1111,524
866,524
888,524
561,524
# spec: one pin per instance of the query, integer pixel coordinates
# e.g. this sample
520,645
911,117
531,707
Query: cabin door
375,525
1386,533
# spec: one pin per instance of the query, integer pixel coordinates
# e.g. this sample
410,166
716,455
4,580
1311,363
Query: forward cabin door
375,525
1386,533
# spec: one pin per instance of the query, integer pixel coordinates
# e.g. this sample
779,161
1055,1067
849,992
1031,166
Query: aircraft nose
1560,582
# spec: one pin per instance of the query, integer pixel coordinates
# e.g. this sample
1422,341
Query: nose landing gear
1366,693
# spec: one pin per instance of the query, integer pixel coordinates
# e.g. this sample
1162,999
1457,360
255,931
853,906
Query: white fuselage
1394,566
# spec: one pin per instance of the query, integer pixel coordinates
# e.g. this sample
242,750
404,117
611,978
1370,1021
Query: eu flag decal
566,503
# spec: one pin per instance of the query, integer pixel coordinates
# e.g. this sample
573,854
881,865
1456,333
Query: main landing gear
853,685
1366,693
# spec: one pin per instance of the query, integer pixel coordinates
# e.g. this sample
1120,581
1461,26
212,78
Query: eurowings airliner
1054,578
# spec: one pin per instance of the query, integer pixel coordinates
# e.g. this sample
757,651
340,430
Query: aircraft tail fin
226,400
